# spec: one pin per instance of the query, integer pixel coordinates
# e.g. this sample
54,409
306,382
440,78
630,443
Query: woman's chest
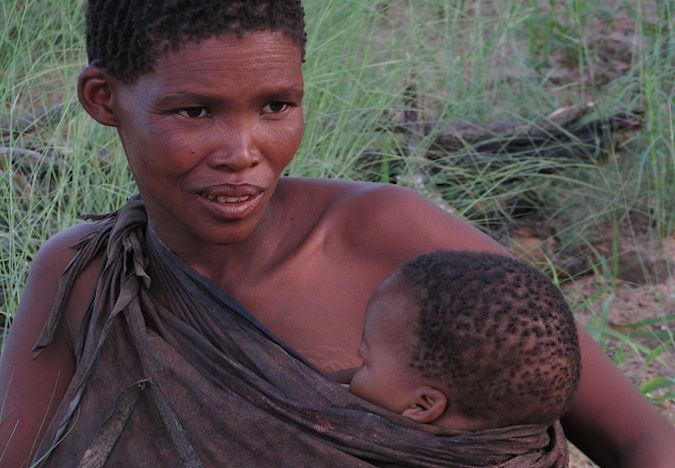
316,306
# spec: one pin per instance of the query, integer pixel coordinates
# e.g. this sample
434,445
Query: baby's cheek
357,384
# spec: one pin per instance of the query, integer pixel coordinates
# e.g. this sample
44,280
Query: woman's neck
246,259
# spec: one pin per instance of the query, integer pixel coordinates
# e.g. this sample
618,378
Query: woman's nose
236,150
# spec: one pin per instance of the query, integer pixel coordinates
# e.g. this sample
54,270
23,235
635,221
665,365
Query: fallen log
563,134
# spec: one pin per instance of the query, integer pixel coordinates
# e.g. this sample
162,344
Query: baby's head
469,341
125,37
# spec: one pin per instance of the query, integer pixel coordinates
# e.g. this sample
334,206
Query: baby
468,341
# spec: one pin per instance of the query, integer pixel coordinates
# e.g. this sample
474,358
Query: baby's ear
429,405
95,91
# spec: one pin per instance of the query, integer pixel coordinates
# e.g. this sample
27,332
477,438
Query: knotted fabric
171,371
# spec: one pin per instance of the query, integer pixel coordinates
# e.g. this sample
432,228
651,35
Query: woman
207,101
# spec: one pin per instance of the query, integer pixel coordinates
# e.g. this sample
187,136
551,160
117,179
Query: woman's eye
275,107
194,112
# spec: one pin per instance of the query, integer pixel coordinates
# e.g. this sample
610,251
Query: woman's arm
31,389
611,421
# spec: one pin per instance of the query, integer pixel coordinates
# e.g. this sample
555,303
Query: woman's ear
95,91
429,405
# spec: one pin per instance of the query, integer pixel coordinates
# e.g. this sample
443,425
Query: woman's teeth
224,199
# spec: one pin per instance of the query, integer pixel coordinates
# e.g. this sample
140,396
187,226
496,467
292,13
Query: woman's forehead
262,47
266,59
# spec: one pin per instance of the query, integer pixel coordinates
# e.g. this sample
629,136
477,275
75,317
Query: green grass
367,62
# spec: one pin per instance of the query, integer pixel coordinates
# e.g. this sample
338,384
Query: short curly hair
125,37
497,333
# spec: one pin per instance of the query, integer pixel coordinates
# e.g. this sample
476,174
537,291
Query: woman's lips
232,202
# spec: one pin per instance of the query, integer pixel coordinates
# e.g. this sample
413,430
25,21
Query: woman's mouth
225,199
233,205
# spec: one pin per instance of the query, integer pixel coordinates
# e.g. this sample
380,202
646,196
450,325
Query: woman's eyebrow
181,97
268,95
282,94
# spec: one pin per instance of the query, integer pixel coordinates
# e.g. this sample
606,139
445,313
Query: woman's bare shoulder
30,385
58,251
328,190
387,221
45,273
60,248
320,200
360,199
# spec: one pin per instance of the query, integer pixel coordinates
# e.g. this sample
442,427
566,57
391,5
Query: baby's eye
275,107
194,112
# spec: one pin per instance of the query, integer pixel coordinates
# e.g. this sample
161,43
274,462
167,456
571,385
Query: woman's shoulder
353,205
56,253
339,193
47,268
328,189
61,246
390,221
29,384
42,284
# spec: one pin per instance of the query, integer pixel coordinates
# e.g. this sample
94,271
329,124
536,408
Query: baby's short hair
125,37
497,333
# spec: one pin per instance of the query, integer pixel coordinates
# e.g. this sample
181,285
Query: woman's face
208,133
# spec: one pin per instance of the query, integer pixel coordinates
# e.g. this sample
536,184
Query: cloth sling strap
171,370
